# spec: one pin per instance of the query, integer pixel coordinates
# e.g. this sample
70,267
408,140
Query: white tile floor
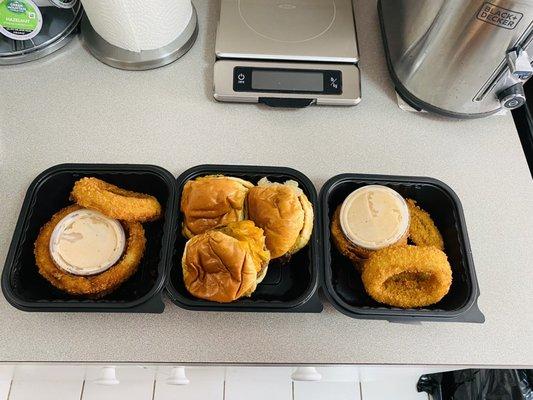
327,391
4,389
205,384
45,390
258,383
46,383
404,389
136,383
42,382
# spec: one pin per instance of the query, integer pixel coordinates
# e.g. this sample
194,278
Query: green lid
20,19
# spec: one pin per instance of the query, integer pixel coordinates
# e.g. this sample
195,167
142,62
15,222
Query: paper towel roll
138,25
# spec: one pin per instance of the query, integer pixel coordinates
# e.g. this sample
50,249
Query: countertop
71,108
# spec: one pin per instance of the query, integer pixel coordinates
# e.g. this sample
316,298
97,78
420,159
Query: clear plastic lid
58,26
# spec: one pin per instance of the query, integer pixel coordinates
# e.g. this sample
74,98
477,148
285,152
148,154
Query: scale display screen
277,80
288,80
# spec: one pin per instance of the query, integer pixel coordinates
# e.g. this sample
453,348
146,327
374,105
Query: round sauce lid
20,19
374,217
86,242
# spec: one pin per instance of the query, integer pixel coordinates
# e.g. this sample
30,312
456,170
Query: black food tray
25,289
291,287
342,283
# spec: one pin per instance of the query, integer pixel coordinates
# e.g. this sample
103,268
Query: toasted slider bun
225,264
212,201
285,214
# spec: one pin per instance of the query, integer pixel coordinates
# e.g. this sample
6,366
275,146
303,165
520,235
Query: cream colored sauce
86,242
374,217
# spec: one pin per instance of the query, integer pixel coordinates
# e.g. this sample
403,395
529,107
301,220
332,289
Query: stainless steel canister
456,57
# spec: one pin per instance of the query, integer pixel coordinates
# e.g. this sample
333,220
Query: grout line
224,389
82,389
360,391
9,390
292,386
153,389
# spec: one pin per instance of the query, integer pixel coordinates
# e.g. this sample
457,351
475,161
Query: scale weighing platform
287,53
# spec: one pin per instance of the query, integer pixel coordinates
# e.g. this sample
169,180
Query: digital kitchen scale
287,53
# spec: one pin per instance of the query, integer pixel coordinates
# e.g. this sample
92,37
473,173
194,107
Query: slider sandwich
227,263
212,201
284,212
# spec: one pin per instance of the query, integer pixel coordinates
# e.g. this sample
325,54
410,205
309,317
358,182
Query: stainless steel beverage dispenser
460,58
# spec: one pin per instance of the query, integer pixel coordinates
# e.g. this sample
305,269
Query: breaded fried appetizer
422,230
407,276
284,212
212,201
225,264
117,203
81,249
356,254
349,250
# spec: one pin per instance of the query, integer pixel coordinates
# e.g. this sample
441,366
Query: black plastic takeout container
291,287
25,289
342,283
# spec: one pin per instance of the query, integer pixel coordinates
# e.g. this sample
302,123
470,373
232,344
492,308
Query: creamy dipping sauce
87,242
374,217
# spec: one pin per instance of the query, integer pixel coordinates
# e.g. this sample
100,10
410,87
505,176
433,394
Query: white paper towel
138,25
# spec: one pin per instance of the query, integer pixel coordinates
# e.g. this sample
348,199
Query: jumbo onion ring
115,202
94,286
407,276
422,230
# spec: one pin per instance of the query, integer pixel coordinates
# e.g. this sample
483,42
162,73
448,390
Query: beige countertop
71,108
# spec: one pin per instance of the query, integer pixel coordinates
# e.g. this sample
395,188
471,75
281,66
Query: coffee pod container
32,29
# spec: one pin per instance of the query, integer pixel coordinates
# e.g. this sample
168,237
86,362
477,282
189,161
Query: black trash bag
479,384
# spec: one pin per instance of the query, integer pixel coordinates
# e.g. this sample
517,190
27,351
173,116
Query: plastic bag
479,384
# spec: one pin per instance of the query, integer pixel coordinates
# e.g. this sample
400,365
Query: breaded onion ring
115,202
94,286
356,254
407,276
422,230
